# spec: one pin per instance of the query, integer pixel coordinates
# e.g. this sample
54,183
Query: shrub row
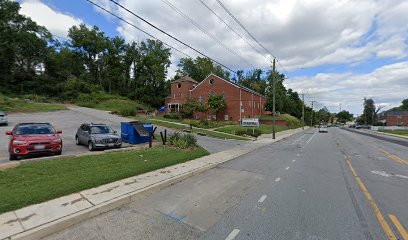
182,141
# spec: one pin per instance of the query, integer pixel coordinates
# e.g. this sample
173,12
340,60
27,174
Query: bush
291,121
207,124
125,112
172,116
248,131
182,141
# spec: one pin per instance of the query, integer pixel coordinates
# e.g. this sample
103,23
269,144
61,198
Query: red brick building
241,101
397,118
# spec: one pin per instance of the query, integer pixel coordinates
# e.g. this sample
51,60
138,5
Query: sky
335,52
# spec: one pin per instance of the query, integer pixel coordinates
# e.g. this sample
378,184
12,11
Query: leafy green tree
23,47
199,69
216,103
344,116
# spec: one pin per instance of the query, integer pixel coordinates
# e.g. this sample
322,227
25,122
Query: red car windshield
34,129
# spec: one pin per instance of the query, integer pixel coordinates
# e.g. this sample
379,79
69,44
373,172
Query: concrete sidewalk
39,220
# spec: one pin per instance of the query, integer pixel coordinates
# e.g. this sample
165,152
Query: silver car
97,136
3,118
323,129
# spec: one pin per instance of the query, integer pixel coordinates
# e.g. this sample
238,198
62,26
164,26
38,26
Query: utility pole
303,111
311,119
340,107
273,99
364,112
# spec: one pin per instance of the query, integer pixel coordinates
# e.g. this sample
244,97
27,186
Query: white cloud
56,22
387,85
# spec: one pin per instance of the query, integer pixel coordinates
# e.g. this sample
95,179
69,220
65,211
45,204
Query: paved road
298,188
69,120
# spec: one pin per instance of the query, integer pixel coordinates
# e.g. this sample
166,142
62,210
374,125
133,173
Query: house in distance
241,101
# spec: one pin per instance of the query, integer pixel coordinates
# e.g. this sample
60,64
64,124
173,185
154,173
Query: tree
370,112
344,116
216,103
23,47
199,69
189,107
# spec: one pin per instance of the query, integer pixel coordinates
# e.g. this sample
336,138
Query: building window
209,117
212,81
201,100
212,93
179,85
197,117
226,118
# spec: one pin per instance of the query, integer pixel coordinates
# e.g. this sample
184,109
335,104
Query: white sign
250,122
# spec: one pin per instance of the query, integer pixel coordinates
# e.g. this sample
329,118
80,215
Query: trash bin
135,132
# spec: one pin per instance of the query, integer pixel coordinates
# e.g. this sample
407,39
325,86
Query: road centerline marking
262,198
277,179
399,226
380,217
233,234
287,168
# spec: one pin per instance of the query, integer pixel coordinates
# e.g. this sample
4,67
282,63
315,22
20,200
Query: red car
34,138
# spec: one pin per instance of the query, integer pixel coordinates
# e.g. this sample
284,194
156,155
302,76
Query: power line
169,35
240,24
203,30
131,24
239,35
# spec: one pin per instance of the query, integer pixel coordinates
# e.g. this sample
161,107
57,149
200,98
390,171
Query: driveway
69,120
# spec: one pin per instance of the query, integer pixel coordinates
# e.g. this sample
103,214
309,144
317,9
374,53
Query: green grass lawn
265,129
398,132
20,105
209,133
118,104
37,182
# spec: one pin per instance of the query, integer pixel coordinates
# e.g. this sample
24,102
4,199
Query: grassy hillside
113,103
22,104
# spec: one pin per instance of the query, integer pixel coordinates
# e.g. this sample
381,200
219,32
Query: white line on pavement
298,138
262,198
294,160
385,174
287,168
310,139
233,234
277,179
298,154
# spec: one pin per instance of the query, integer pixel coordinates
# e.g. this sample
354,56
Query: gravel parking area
69,120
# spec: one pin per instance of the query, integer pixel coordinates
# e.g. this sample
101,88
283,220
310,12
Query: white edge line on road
262,198
287,168
233,234
277,179
310,139
298,139
294,160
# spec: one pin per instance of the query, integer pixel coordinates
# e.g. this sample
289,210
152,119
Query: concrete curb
389,134
204,164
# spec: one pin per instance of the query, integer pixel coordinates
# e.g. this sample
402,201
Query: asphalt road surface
69,120
335,185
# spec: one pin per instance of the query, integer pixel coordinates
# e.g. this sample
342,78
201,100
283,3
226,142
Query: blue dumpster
135,132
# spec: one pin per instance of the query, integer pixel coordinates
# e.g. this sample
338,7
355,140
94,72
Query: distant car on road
323,128
363,127
34,138
3,118
97,136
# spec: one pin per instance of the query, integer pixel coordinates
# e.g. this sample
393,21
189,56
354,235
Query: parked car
323,128
97,136
34,138
3,118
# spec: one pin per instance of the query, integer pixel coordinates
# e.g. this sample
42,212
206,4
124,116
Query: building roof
185,79
397,113
234,84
